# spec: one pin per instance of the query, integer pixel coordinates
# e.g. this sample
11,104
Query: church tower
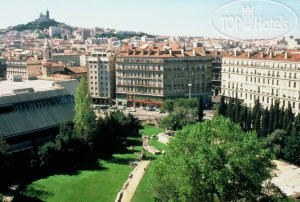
47,52
47,14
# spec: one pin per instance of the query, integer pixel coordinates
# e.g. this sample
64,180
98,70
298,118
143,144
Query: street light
190,90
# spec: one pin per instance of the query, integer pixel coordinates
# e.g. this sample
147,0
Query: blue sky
165,17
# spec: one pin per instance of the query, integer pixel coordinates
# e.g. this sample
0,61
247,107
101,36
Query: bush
275,141
212,160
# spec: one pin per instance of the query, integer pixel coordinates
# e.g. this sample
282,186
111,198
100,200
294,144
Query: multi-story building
16,70
216,74
2,69
34,68
52,67
72,59
150,73
101,77
267,77
55,31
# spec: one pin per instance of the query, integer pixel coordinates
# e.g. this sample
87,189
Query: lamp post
190,90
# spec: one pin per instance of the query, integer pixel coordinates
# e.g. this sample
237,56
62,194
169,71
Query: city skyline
169,18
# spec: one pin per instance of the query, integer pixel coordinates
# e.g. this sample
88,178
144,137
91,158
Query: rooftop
160,50
7,87
291,56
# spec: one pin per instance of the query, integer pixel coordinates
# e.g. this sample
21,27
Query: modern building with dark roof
30,118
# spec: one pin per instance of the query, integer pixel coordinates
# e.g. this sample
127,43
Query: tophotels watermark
254,19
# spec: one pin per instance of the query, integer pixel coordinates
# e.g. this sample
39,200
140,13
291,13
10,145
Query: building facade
267,77
150,73
216,74
101,77
34,68
32,118
2,69
72,59
16,70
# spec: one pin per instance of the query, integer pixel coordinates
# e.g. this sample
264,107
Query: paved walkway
132,183
287,178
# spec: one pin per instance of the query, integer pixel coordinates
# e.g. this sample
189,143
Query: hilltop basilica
44,18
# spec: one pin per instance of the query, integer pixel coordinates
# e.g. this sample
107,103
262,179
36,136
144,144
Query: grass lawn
151,130
101,184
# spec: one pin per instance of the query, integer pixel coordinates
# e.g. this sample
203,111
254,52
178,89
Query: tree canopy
212,160
85,117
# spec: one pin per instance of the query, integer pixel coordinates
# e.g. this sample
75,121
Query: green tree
168,105
84,118
276,141
180,117
277,122
212,160
243,117
237,111
222,106
248,124
265,123
230,108
288,118
4,164
271,119
256,115
200,110
292,148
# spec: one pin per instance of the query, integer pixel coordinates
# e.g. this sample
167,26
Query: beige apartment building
150,73
68,58
101,77
267,77
16,70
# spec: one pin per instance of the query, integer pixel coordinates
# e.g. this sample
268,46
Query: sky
163,17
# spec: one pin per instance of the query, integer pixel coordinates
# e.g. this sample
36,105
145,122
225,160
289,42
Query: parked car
121,107
132,109
150,109
114,107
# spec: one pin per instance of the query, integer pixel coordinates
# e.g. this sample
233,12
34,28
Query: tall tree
276,123
281,115
200,109
288,118
222,106
212,160
230,109
292,148
243,117
256,115
84,118
265,123
271,119
248,124
237,111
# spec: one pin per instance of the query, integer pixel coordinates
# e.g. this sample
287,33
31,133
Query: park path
133,182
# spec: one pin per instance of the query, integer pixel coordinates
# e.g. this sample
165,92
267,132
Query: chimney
182,51
194,52
262,55
170,51
286,55
249,54
235,53
271,54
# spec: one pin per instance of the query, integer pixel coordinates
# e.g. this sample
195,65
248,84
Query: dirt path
133,181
